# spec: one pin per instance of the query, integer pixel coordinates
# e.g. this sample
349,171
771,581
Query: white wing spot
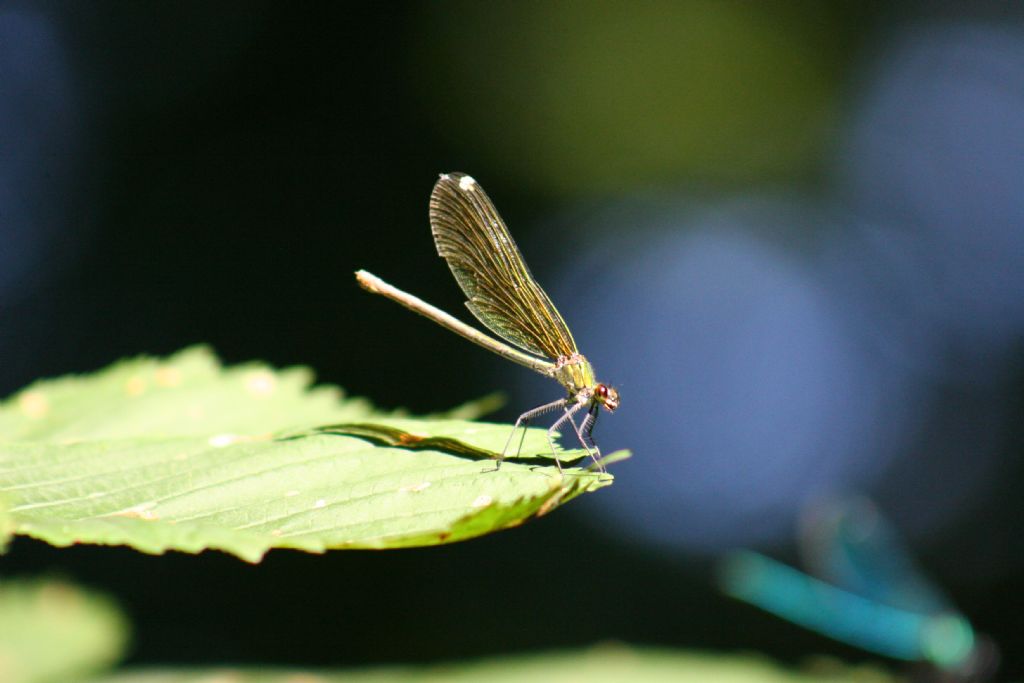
466,183
482,501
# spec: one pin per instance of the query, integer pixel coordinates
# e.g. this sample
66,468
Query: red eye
607,396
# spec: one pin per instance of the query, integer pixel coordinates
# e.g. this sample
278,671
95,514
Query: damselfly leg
524,422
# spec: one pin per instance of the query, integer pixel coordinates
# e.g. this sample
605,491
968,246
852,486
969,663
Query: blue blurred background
791,233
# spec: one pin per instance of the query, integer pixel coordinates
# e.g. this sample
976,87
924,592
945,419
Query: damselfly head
607,396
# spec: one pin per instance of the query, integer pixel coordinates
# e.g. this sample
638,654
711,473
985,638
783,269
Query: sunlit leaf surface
183,454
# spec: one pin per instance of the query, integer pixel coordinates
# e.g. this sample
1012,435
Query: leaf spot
140,511
135,386
260,383
168,377
222,440
415,488
552,502
482,501
320,503
34,404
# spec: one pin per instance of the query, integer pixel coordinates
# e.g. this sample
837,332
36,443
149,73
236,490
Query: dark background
185,172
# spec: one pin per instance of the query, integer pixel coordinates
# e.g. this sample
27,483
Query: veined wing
486,262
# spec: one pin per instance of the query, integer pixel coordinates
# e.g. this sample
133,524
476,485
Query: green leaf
186,394
183,454
607,663
50,630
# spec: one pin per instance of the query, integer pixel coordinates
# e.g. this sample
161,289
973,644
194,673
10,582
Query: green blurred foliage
574,97
53,631
597,665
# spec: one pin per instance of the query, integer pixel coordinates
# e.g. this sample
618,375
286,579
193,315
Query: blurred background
791,233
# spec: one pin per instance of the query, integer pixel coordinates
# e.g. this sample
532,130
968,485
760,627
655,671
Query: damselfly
502,294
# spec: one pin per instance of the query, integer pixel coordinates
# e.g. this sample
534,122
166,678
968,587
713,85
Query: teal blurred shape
868,592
